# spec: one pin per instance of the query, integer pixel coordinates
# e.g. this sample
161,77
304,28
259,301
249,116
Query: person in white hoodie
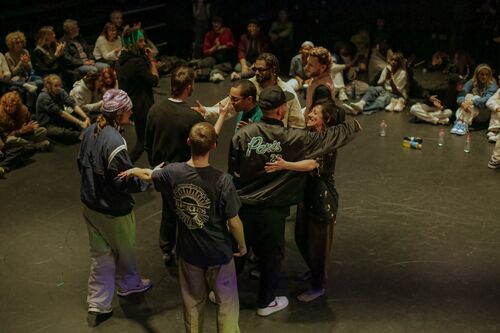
87,93
494,127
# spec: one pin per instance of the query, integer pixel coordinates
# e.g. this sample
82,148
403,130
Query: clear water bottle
383,126
467,144
441,137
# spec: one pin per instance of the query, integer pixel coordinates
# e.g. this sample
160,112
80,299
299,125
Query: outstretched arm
281,164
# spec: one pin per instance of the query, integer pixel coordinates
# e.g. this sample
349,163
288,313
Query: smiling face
253,30
315,119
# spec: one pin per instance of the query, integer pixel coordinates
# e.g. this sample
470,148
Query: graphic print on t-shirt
192,205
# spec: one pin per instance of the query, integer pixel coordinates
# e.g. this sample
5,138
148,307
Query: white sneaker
342,95
358,106
493,138
391,105
30,87
400,105
217,77
311,295
279,303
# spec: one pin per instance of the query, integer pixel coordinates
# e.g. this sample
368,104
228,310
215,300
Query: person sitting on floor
298,76
348,63
58,112
472,100
494,126
17,128
108,79
47,52
250,46
87,93
390,93
19,59
6,83
108,45
77,53
218,47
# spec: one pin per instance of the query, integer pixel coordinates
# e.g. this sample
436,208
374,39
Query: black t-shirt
203,199
167,130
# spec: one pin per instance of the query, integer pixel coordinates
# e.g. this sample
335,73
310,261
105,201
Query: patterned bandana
116,102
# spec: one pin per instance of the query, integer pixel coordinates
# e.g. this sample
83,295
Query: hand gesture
199,108
127,174
275,166
244,123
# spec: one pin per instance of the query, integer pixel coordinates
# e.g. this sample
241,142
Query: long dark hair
332,114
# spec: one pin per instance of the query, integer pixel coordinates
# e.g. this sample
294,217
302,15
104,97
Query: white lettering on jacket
260,147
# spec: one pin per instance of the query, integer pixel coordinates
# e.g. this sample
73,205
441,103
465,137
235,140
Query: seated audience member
347,65
297,64
432,111
494,162
379,59
390,93
494,126
77,53
108,45
6,83
58,112
250,46
47,52
440,61
361,40
108,79
116,18
19,59
16,126
218,47
281,37
472,100
87,93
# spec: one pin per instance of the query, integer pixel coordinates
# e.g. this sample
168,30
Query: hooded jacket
135,78
256,144
85,98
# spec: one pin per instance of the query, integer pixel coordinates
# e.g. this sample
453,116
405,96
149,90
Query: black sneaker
94,318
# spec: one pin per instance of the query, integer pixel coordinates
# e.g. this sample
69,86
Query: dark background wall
418,26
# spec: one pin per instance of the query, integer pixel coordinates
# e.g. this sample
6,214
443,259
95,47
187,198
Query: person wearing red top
218,49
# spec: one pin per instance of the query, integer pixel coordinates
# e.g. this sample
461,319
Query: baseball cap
273,97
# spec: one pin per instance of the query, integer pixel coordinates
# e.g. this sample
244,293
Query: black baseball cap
272,97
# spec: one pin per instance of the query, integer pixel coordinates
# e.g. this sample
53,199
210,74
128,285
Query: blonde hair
324,56
43,35
480,67
49,81
10,39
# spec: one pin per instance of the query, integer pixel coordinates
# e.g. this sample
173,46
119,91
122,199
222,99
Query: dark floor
416,247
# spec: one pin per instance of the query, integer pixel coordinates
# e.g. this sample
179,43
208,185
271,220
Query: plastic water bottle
353,91
467,144
412,145
441,137
383,126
